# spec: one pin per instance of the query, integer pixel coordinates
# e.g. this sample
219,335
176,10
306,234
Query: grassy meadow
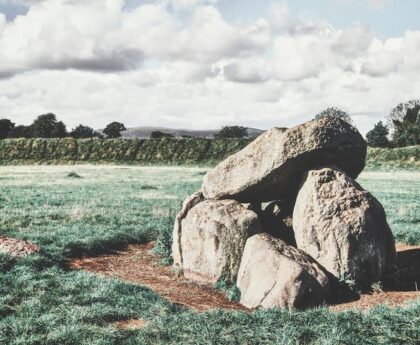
84,209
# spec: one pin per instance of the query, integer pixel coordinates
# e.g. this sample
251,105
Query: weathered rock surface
274,274
270,168
343,227
187,205
214,234
17,248
277,220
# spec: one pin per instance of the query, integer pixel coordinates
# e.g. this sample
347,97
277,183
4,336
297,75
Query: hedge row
403,157
166,150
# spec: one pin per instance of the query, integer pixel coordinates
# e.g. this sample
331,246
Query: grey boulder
213,237
343,227
274,274
271,167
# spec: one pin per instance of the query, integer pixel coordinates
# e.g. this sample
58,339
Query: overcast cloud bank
179,63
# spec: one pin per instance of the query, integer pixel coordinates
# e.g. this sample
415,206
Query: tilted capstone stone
270,168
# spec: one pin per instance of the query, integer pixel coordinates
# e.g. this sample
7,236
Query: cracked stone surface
274,274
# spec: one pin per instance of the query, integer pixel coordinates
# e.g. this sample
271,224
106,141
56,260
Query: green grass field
74,210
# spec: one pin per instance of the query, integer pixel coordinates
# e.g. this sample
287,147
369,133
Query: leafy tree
159,135
20,132
47,126
114,129
232,132
60,130
334,112
400,111
6,127
81,132
405,122
378,136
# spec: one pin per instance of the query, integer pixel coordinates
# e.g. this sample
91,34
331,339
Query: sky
203,64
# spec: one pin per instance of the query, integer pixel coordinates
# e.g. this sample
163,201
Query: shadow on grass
408,270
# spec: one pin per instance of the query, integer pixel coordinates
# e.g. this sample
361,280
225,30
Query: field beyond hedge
85,209
160,151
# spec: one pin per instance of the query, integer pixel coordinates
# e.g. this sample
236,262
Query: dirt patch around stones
17,248
405,289
137,265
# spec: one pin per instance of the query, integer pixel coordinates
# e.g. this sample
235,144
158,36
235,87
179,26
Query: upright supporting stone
213,237
344,227
187,205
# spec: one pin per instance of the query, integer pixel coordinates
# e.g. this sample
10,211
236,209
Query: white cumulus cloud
180,63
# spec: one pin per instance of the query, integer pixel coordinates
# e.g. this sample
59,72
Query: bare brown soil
16,248
137,265
131,324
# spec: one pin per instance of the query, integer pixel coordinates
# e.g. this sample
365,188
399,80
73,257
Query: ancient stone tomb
285,221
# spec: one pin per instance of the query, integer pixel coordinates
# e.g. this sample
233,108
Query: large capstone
274,274
271,167
213,236
343,227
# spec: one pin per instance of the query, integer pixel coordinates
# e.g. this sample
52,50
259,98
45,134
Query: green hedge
400,157
145,151
165,151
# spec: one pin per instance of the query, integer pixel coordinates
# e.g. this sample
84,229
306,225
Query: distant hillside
144,132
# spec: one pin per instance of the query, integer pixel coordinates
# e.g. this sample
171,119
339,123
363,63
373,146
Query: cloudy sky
206,63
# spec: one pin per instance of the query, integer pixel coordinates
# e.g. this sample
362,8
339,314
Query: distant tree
6,127
81,132
47,126
20,132
60,130
404,120
378,136
114,129
334,112
159,135
232,132
400,111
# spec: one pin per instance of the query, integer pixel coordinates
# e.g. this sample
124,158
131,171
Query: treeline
403,125
402,129
47,126
142,151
